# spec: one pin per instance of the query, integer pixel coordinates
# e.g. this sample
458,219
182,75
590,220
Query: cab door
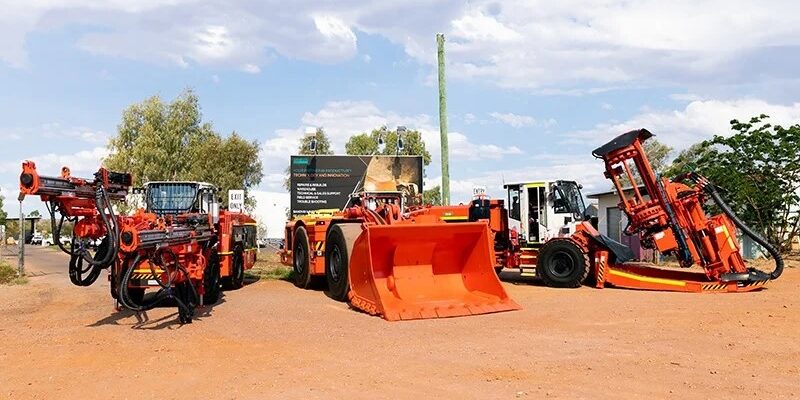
515,209
537,212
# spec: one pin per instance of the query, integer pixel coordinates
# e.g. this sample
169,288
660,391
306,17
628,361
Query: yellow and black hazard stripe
142,276
715,286
319,246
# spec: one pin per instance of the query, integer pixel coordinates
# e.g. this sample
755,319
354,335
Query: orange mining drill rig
396,263
668,217
180,247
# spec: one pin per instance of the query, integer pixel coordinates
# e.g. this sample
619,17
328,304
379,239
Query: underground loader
397,263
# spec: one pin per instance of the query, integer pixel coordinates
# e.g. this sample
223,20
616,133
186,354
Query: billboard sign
320,182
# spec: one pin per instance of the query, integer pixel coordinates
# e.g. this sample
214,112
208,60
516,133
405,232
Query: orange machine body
152,250
401,265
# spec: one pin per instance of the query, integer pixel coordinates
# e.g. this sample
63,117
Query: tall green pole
443,123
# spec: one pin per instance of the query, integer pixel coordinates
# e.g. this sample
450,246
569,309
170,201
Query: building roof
642,190
34,218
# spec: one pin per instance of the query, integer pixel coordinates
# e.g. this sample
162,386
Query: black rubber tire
562,264
236,280
498,270
338,249
301,271
211,280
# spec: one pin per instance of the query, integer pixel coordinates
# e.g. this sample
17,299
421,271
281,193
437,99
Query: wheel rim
335,264
299,258
561,264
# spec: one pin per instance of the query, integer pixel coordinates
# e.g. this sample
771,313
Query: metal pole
443,123
21,265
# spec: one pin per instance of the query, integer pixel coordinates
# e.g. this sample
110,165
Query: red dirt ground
272,340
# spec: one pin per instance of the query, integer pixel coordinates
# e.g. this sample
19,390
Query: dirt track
272,340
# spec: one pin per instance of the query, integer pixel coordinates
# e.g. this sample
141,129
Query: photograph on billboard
323,182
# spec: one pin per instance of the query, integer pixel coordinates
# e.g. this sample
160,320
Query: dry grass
8,275
269,267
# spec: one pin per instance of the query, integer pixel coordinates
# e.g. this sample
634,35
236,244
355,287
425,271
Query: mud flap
426,270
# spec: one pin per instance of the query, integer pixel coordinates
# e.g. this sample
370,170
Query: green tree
687,160
758,172
432,196
658,154
304,148
12,229
34,213
169,141
368,144
3,214
229,163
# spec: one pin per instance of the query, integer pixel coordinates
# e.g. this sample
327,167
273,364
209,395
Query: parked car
48,241
36,239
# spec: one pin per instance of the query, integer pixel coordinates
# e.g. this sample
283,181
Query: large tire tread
301,269
579,263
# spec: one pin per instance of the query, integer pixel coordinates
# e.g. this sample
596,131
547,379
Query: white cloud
583,169
342,119
565,47
515,120
701,119
54,130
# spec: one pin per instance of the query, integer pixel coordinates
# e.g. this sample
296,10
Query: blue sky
533,87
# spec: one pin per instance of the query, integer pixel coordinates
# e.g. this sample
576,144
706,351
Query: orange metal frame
75,199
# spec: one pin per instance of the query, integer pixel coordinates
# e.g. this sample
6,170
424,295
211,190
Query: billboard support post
21,265
443,123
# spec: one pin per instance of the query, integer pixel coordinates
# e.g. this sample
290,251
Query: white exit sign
236,200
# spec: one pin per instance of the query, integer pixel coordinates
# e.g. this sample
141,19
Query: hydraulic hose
164,293
711,190
112,231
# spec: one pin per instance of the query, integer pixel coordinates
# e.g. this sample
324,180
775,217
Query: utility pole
443,123
21,264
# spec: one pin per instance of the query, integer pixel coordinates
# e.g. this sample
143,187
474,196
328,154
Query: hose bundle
184,294
709,188
85,268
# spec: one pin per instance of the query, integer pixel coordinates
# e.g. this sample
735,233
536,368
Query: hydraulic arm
173,246
669,215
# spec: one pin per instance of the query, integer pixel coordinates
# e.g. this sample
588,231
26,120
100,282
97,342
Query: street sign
236,200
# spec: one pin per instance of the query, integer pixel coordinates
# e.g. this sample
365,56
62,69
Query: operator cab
173,198
541,210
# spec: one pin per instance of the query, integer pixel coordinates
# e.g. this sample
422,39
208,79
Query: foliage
35,213
3,214
657,153
8,275
12,229
261,230
368,144
687,160
432,196
229,163
304,148
269,267
169,141
757,170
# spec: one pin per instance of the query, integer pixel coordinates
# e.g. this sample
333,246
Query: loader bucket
426,270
